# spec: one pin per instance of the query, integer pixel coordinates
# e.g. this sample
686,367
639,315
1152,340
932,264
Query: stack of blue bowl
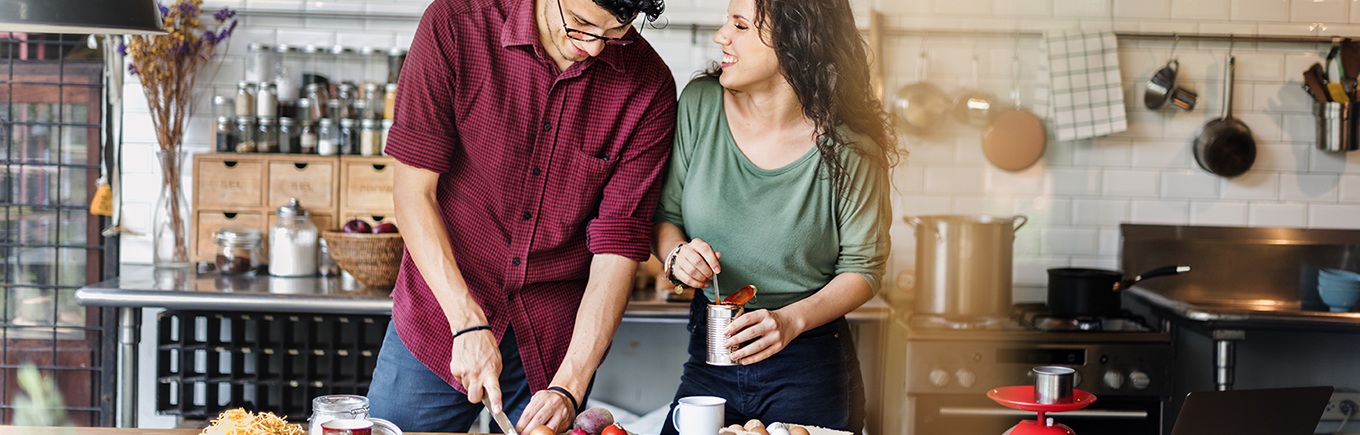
1339,289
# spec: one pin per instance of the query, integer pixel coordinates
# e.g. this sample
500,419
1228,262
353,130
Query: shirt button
547,126
536,171
515,261
527,215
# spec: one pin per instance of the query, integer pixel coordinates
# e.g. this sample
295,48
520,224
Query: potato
540,430
594,420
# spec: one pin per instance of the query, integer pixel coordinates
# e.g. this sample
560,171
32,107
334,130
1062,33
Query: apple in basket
371,254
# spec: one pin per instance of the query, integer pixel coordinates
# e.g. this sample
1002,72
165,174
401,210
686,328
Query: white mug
698,415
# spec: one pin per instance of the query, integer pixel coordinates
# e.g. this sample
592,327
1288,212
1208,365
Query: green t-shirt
784,230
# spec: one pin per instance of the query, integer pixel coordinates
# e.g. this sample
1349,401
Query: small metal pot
1077,292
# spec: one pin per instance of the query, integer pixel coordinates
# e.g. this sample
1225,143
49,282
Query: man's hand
476,363
547,408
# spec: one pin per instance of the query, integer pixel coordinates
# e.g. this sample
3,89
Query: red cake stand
1022,397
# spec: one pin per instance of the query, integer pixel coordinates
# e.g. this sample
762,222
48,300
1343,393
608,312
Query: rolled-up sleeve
864,216
624,224
424,133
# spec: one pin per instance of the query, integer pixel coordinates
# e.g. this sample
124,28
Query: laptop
1273,411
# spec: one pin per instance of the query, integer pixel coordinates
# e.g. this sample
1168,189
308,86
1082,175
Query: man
531,138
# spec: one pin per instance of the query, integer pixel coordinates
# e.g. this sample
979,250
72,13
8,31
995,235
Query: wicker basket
373,259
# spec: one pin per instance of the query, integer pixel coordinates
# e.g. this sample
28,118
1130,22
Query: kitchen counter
29,430
146,287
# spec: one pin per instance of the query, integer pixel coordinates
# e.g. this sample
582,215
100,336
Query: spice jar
327,137
267,100
349,137
238,250
318,99
390,101
259,63
387,127
395,58
225,135
370,137
245,134
346,93
373,99
307,138
288,136
292,242
267,136
287,72
245,98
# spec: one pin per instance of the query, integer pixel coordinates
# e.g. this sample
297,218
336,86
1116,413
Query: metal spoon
717,294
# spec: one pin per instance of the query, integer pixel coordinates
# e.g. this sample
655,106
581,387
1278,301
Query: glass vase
170,218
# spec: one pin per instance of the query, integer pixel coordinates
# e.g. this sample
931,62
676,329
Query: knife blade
503,422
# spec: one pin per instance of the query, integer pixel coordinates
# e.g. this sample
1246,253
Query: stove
951,363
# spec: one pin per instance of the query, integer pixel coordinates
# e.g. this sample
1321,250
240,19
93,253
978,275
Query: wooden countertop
27,430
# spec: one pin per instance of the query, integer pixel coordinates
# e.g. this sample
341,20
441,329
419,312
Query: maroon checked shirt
539,170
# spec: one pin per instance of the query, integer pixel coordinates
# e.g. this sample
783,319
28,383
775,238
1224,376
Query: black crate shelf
207,362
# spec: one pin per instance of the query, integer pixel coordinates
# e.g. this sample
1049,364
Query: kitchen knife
1314,87
503,422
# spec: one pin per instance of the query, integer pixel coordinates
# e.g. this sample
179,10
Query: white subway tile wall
1076,196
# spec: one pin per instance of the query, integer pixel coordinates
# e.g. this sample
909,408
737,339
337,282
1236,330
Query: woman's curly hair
825,59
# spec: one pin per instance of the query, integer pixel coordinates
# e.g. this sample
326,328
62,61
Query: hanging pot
1225,145
920,107
1076,292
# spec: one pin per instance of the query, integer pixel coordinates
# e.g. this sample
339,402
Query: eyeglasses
589,37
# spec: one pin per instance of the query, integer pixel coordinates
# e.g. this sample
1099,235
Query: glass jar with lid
287,73
349,137
395,58
318,100
245,98
307,138
288,136
292,242
373,100
245,134
346,93
225,135
390,101
259,65
386,128
327,137
370,137
267,136
267,100
239,250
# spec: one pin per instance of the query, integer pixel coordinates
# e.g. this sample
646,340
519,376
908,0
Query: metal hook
1174,43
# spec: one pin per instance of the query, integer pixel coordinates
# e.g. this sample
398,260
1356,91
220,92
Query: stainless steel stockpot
963,264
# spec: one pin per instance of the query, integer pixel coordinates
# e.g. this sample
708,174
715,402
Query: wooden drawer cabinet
228,182
366,185
206,223
309,179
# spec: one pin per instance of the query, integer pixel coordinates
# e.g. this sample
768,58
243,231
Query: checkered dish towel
1083,96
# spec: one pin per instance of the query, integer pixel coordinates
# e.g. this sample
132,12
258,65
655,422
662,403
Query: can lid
293,209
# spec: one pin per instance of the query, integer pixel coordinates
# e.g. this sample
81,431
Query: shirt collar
522,29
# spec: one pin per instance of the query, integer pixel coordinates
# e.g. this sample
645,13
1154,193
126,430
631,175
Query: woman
779,178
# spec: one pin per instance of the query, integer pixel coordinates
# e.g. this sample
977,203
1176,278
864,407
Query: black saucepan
1225,146
1076,292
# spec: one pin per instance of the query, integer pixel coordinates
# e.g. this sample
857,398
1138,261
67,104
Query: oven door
940,414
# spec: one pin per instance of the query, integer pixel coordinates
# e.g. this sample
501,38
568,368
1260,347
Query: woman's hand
696,263
547,408
767,331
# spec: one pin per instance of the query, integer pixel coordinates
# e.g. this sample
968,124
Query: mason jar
327,137
267,136
225,135
245,134
349,137
245,98
307,138
259,67
288,136
370,137
239,251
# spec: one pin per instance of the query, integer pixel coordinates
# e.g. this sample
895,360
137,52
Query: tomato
613,429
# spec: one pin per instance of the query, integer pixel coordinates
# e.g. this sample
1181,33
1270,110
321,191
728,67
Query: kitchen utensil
698,415
974,107
1225,145
920,107
963,265
1079,292
1161,86
1315,84
1053,384
1336,74
503,422
1015,139
1335,126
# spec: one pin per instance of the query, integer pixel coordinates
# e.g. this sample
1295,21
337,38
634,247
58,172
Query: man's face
587,20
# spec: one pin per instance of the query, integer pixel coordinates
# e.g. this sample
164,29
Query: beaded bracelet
670,267
567,394
470,329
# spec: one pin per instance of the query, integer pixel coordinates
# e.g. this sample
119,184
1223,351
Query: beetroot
594,420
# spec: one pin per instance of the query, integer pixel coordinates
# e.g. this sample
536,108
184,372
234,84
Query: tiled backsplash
1080,191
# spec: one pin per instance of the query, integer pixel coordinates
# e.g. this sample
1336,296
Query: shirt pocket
577,186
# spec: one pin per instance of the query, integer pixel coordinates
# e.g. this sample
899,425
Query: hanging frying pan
1225,146
1015,138
920,107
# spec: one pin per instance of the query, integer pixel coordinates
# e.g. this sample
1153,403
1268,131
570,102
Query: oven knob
966,378
1114,379
939,377
1139,380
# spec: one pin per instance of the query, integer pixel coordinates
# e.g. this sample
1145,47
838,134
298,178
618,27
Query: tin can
719,316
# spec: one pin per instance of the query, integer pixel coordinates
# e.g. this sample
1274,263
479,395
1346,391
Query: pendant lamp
137,17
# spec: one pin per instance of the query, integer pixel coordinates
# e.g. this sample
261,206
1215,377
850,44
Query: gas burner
931,321
1037,317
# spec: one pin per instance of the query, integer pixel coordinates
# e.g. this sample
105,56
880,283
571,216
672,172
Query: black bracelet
574,405
469,329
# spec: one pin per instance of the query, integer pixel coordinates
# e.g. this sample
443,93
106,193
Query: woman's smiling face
749,61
